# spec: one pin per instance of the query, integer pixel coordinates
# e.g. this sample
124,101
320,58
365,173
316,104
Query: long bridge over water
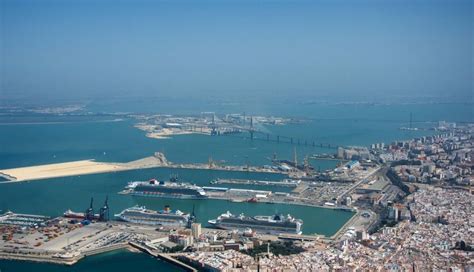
257,135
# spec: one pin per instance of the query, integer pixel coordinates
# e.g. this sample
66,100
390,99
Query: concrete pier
87,167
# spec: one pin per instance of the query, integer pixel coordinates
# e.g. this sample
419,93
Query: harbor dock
284,183
87,167
57,240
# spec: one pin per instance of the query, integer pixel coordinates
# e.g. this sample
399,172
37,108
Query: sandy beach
60,170
75,168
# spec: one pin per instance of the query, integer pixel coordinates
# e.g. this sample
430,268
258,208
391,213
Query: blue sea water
112,261
352,124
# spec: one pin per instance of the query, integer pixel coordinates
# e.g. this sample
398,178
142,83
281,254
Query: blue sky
219,48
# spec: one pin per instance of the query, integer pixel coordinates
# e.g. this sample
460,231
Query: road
357,184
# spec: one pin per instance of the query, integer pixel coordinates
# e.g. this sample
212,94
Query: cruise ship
166,217
275,224
165,189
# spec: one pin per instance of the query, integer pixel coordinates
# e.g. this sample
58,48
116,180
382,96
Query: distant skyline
86,48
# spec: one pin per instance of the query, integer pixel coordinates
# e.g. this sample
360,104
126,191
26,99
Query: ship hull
74,216
154,223
258,229
159,195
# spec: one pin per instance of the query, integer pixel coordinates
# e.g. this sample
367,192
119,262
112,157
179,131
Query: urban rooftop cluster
422,243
